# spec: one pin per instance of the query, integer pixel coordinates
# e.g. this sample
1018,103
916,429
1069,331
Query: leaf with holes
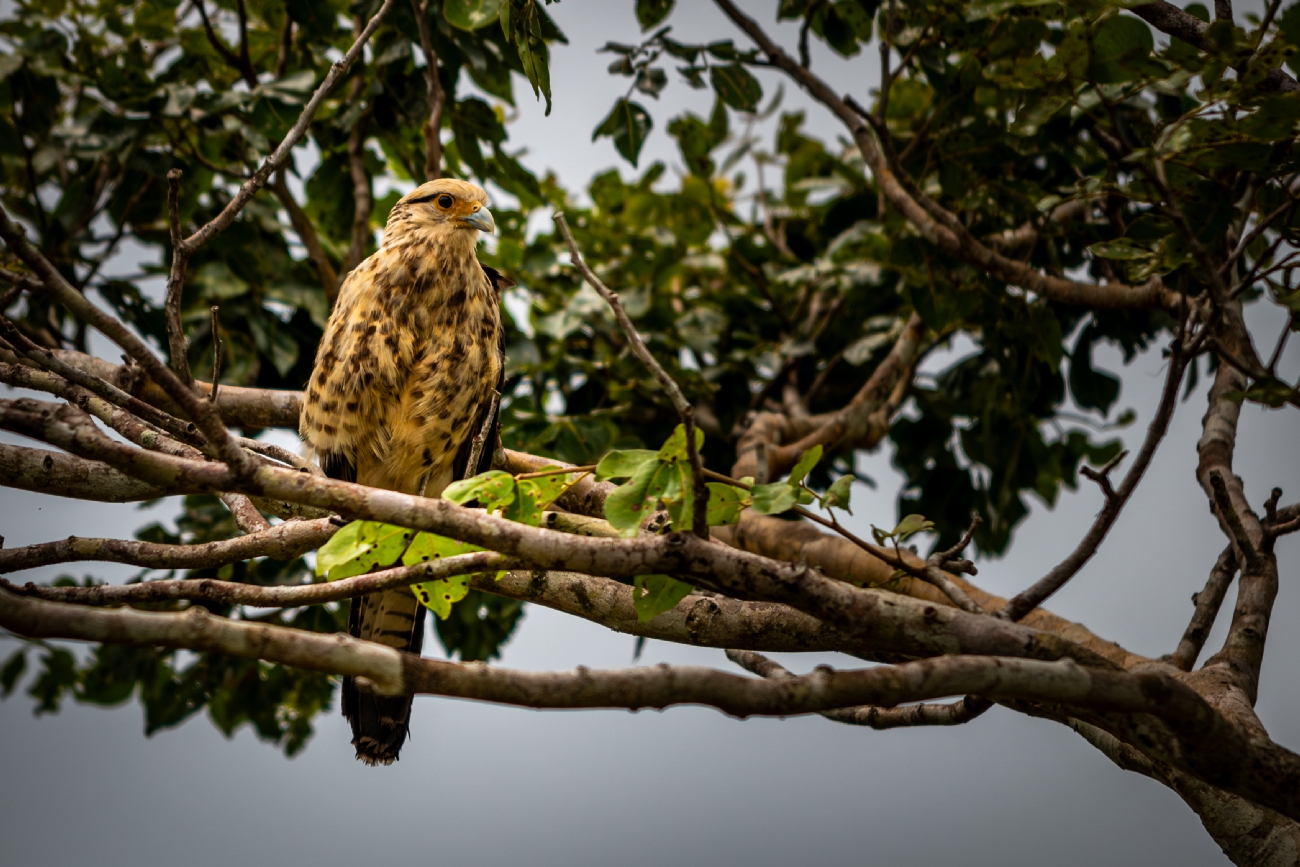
360,547
726,502
494,490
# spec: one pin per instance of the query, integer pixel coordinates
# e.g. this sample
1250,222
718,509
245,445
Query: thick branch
1169,19
63,475
874,716
1190,735
892,623
1242,655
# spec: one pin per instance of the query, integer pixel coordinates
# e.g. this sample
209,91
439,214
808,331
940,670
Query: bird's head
445,204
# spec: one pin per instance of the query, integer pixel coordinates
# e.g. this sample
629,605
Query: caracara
404,377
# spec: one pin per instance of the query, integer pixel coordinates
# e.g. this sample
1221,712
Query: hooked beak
482,220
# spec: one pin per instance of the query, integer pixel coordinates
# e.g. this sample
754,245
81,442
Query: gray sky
492,785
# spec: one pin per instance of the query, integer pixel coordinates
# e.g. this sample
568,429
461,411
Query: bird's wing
489,419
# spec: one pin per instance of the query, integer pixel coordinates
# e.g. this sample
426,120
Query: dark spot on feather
456,300
351,406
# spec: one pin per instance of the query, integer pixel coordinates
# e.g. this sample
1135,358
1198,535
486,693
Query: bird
404,378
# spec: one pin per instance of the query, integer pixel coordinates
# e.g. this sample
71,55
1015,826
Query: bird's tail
380,722
394,618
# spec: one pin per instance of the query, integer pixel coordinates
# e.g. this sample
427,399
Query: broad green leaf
774,498
628,124
623,464
651,12
910,525
627,506
837,495
494,490
654,594
471,14
736,87
675,447
726,502
679,495
361,547
13,669
807,461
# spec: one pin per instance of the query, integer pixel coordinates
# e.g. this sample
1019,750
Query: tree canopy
691,357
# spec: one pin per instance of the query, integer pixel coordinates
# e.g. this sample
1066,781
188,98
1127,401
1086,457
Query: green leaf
471,14
736,87
494,490
807,461
532,496
651,12
654,594
910,525
726,502
439,596
623,464
674,449
13,669
628,124
625,507
431,546
679,495
1121,249
837,495
774,498
360,547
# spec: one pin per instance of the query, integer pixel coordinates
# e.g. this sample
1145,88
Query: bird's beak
482,220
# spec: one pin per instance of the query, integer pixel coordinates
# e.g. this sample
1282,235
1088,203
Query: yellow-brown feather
407,364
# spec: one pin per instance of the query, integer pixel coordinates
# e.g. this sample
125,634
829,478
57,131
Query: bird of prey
404,377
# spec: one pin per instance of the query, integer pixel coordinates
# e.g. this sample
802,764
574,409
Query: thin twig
1207,603
235,593
177,345
480,439
1038,593
434,95
216,354
684,409
561,471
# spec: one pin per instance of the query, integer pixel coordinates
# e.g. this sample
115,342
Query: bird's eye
444,201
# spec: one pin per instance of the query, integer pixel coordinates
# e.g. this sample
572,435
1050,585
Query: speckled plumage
404,374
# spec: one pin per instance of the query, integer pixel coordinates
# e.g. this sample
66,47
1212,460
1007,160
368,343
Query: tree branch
1169,19
1207,603
684,409
873,716
1189,733
434,95
1035,595
945,230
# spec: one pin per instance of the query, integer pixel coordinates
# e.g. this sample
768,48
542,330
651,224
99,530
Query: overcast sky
489,785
